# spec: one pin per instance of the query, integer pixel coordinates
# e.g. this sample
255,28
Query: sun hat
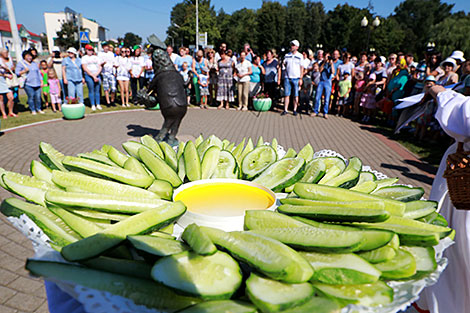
414,64
295,42
457,55
72,50
55,49
430,78
451,61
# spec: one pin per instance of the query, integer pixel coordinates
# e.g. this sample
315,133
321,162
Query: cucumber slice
226,167
212,140
403,265
216,276
50,224
112,236
97,157
349,177
367,204
248,148
152,144
30,188
378,293
306,153
315,239
334,161
341,269
256,161
133,165
318,192
209,162
386,182
51,157
317,305
159,168
261,219
156,245
434,219
400,193
141,291
230,147
274,296
221,306
291,153
365,187
198,140
225,144
170,155
94,168
163,235
274,144
192,163
117,156
331,173
238,150
260,141
198,240
105,203
98,185
132,148
266,255
382,254
100,215
419,208
282,173
314,171
133,268
161,189
78,224
180,151
425,258
335,214
366,176
40,171
2,184
181,169
168,228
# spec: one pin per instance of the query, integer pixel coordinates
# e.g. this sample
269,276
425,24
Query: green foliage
271,26
296,18
130,40
242,29
314,23
452,34
67,36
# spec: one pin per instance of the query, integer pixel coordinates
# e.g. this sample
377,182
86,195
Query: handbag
22,78
457,174
13,81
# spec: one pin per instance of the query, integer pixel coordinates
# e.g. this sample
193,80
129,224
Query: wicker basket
457,175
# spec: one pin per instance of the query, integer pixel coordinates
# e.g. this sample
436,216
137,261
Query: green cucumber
419,208
198,140
225,143
375,294
403,265
212,277
117,156
226,167
209,162
314,171
112,236
330,173
366,176
161,189
133,268
318,192
382,254
425,260
40,171
133,165
152,144
180,151
349,177
386,182
221,306
100,215
434,218
237,151
291,153
365,187
2,184
97,157
161,234
105,149
157,246
170,155
105,203
266,255
198,240
400,193
210,141
260,141
263,219
54,227
306,153
335,214
257,160
317,305
159,168
132,148
248,148
51,157
230,147
140,291
181,169
282,173
192,163
77,223
98,185
334,161
94,168
274,144
366,204
341,269
30,188
274,296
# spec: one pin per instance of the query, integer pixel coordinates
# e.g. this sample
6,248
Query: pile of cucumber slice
336,239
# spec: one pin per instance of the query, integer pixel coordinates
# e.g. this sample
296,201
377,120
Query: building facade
28,39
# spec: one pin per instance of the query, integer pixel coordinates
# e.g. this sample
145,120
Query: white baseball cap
55,49
72,50
457,55
295,42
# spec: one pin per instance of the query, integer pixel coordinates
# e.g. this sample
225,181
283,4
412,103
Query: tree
389,37
242,30
452,34
295,24
316,18
271,25
67,36
130,40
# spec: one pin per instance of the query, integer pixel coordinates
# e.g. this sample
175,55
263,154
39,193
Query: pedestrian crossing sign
84,37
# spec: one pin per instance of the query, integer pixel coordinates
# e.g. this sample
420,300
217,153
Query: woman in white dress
451,294
124,65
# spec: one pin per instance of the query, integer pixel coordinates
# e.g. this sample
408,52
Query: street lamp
365,23
319,46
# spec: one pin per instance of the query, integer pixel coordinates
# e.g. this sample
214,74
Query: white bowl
227,223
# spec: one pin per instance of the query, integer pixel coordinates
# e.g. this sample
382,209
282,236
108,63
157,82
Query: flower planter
73,111
157,107
262,104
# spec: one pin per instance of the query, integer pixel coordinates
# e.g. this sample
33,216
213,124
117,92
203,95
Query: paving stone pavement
21,293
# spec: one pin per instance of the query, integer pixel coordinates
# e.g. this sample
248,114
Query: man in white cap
55,61
292,75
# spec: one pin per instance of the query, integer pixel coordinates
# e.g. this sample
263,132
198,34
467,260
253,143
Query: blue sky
145,17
